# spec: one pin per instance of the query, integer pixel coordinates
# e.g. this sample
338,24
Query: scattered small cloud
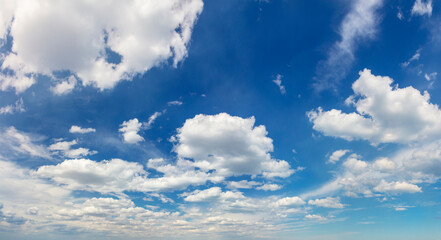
11,109
278,82
78,129
175,103
130,131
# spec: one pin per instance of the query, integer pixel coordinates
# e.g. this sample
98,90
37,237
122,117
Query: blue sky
220,119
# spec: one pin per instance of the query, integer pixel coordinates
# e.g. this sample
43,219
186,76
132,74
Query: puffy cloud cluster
384,114
130,131
98,42
230,145
65,149
11,109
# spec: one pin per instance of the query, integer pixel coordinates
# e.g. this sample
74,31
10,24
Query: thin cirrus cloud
360,24
142,33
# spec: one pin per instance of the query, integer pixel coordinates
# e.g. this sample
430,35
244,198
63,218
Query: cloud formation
359,25
231,145
385,113
142,34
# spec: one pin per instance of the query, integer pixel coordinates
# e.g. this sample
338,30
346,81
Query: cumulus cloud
64,87
244,184
360,24
11,109
397,187
328,202
175,103
384,114
212,194
116,175
143,34
130,131
422,8
290,202
78,129
230,145
278,82
65,148
335,156
269,187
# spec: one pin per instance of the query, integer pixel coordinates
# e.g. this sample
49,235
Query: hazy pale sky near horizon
192,119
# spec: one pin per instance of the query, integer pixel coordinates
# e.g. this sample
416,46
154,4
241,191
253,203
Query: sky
192,119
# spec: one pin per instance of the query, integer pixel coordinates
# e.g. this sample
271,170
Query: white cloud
269,187
315,217
230,145
175,103
359,25
422,8
65,148
64,87
11,109
144,33
384,164
244,184
385,114
116,176
397,187
431,76
414,58
78,129
290,202
152,119
278,82
130,131
212,194
82,174
335,156
21,142
328,202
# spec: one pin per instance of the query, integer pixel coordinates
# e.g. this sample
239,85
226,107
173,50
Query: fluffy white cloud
244,184
290,202
385,113
65,148
328,202
64,87
358,25
10,109
130,131
422,8
212,194
335,156
278,82
397,187
143,33
78,129
230,145
269,187
117,176
20,142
